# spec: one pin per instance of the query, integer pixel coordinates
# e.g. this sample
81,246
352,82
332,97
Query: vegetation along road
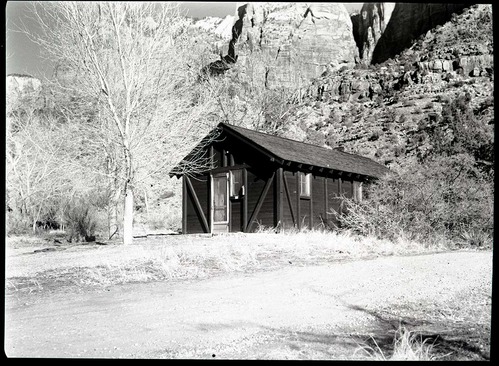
331,311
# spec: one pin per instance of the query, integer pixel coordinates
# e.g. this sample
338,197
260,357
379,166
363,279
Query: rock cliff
407,23
291,43
382,30
220,29
378,110
368,27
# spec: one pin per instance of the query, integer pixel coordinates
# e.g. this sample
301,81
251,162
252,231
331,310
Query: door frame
220,224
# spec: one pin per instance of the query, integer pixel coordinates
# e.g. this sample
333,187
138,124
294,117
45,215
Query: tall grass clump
407,346
80,221
443,199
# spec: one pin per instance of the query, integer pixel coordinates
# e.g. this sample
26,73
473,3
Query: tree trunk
113,215
35,219
128,217
147,206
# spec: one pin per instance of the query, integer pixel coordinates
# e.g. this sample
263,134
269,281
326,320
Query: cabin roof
282,150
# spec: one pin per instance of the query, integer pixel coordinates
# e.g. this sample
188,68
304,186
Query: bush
17,224
445,198
80,221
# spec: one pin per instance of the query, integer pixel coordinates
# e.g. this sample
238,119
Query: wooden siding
318,202
304,213
333,200
217,156
289,206
235,216
347,188
194,222
256,185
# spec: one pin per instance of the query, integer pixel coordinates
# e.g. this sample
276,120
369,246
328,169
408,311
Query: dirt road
318,312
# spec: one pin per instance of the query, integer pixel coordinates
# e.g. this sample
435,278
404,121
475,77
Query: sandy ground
311,312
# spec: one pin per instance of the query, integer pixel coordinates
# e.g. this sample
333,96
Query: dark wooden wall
272,194
289,202
319,202
266,215
313,212
196,204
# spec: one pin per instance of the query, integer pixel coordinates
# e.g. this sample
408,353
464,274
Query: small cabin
257,180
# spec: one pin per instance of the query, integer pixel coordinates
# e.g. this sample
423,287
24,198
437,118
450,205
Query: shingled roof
282,151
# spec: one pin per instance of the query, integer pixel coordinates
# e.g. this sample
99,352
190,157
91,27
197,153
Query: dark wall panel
217,156
318,199
202,188
235,216
292,188
333,200
256,184
346,188
305,213
194,221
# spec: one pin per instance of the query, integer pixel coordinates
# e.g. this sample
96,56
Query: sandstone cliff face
291,43
377,111
368,27
383,30
220,29
409,21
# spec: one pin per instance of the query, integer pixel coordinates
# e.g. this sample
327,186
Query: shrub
80,221
17,224
445,198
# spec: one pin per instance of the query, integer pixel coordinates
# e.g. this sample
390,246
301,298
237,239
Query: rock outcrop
383,30
218,26
291,43
368,27
378,111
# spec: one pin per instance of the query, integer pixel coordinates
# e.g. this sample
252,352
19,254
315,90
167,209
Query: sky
24,57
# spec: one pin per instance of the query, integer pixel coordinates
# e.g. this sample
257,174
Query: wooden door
220,203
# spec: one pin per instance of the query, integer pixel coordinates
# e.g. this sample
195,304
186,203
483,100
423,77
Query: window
305,184
236,183
220,207
357,191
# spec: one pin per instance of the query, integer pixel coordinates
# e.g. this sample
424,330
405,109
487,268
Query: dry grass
178,257
183,257
407,346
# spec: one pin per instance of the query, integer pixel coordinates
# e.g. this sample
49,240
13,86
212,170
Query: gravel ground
310,312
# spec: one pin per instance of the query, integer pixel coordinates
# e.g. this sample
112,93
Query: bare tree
35,176
251,99
127,61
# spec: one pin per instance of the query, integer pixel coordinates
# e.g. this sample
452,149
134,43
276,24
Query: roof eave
272,157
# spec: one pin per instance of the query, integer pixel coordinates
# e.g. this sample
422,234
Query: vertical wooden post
224,157
184,205
209,189
245,200
212,157
298,187
340,207
279,197
288,197
326,203
311,202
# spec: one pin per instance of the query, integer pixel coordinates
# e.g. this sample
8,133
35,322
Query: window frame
357,191
308,185
212,209
241,190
